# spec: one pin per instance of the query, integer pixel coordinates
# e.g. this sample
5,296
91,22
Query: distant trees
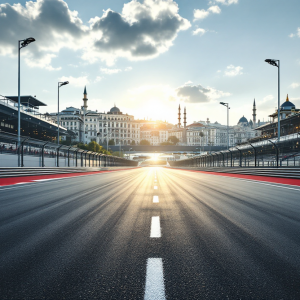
92,146
111,142
144,143
173,139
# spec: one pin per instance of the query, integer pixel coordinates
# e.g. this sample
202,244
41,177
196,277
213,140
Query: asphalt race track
150,233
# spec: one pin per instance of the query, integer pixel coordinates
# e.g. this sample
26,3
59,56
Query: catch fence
37,153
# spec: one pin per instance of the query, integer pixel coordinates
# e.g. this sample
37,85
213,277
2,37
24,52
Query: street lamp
227,105
60,84
276,63
21,44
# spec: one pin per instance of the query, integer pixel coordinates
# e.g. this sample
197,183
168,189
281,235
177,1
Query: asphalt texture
88,237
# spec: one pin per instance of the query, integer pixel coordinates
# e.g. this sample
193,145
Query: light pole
60,84
227,105
276,63
24,44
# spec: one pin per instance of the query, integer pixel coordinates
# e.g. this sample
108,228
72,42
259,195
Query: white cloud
294,85
233,71
295,34
128,69
198,94
110,71
225,2
215,9
98,78
141,31
199,31
200,14
75,81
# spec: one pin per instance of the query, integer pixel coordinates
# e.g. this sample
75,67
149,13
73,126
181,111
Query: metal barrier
267,153
37,153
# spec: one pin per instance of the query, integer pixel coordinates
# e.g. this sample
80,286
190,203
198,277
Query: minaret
254,114
184,117
85,99
179,117
184,135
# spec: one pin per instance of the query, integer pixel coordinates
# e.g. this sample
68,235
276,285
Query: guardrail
37,153
269,153
271,172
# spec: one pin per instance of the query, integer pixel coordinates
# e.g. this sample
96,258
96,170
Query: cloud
198,94
114,71
199,31
200,14
76,81
295,34
233,71
110,71
215,9
224,2
141,31
98,78
294,85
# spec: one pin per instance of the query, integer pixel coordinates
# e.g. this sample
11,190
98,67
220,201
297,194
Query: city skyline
148,56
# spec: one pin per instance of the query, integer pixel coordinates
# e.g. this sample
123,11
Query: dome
287,105
243,120
114,110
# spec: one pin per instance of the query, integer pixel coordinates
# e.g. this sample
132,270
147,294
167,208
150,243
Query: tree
173,139
166,144
144,143
132,143
111,142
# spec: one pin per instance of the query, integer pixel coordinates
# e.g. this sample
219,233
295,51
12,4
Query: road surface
115,236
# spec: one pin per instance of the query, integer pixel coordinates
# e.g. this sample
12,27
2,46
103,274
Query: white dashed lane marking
155,287
155,227
155,199
155,187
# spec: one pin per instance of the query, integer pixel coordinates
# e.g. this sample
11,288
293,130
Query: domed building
243,121
115,111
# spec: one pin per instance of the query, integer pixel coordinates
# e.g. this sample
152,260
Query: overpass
169,148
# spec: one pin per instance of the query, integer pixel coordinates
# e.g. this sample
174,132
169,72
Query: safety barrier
267,153
37,153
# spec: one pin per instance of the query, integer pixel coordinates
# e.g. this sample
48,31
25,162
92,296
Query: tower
254,114
184,135
179,117
85,99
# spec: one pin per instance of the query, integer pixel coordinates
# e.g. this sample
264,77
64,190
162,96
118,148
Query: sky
147,57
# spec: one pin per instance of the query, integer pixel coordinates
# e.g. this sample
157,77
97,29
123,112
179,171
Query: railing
37,153
267,153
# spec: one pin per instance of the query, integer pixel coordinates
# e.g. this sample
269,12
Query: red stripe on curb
27,179
288,181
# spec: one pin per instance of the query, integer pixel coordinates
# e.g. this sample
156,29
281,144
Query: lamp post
227,105
60,84
21,44
276,63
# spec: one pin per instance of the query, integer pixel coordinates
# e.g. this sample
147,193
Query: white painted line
155,227
155,187
155,287
155,199
45,179
22,182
